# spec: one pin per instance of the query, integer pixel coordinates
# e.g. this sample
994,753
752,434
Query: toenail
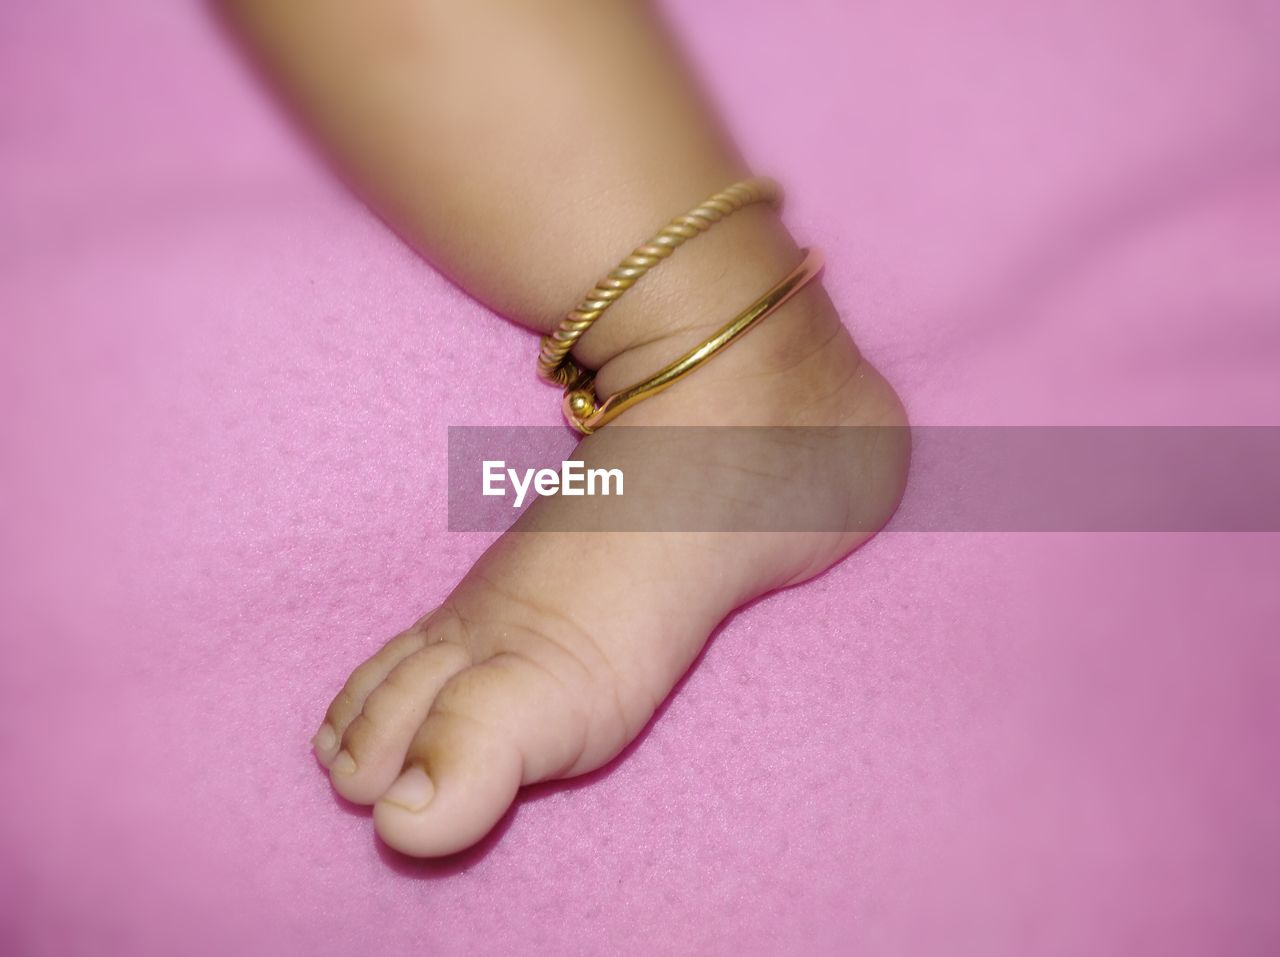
325,738
344,763
412,791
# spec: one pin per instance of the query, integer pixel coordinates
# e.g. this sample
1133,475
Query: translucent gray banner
714,479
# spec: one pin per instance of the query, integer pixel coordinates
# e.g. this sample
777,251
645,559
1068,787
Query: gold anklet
554,362
586,413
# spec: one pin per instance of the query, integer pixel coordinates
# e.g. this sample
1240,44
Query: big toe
493,727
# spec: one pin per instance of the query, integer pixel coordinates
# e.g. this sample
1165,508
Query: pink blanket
225,388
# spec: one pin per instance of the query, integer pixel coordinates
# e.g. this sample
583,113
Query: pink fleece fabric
225,388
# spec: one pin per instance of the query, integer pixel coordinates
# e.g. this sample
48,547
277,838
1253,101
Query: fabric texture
224,393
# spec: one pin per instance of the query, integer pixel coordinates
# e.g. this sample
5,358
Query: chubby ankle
798,366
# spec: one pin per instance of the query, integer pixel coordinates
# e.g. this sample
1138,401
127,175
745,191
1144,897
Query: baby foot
557,647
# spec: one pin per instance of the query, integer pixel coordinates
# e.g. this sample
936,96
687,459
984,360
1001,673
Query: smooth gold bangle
554,362
586,413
